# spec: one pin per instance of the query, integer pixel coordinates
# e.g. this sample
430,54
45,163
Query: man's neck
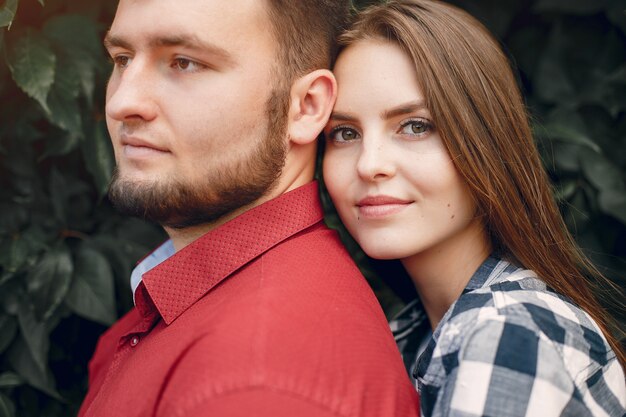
183,237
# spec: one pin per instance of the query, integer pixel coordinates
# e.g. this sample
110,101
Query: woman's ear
312,99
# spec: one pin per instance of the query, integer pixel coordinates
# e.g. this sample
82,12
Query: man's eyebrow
187,41
111,41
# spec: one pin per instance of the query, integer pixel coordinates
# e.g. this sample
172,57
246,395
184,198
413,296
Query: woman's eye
415,127
343,134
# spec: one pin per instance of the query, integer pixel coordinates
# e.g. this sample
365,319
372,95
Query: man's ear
312,99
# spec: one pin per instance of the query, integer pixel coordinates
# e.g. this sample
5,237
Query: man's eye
187,65
343,134
121,61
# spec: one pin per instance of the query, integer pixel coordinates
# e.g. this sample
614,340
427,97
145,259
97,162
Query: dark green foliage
65,256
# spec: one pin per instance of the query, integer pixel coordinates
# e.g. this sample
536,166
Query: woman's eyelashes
342,134
416,127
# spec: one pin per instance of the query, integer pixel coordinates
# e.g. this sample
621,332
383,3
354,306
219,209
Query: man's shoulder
318,351
313,274
304,323
308,283
317,251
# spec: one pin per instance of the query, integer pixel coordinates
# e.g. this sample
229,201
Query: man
252,307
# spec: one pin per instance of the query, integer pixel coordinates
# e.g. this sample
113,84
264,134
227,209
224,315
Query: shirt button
134,341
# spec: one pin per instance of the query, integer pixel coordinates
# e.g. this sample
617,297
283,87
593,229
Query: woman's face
386,168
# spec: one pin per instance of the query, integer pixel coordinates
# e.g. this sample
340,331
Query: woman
430,160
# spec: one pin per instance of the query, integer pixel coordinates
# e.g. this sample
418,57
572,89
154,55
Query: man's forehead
203,18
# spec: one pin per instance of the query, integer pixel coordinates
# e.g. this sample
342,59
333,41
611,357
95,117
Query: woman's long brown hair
477,107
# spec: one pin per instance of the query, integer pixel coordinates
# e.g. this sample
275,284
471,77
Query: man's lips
381,206
135,147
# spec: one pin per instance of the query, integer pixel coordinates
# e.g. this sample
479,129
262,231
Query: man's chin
179,206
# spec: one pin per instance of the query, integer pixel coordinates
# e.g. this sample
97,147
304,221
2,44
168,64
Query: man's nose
375,161
132,92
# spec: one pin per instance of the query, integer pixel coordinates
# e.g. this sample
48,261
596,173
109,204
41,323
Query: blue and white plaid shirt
509,346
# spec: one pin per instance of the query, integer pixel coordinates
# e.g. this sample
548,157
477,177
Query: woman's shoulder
519,334
523,301
520,326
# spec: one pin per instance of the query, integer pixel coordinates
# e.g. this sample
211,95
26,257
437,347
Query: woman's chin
376,250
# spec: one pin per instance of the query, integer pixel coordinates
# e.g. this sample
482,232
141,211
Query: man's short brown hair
306,31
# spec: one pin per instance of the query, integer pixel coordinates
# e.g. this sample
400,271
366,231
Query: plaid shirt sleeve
521,371
519,374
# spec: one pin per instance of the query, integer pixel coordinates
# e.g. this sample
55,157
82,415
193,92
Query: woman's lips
373,207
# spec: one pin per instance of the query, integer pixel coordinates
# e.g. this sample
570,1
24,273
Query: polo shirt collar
178,282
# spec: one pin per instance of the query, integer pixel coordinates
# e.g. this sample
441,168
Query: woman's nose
375,162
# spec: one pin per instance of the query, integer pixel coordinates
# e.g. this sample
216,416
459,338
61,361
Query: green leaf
99,158
8,328
22,361
10,380
577,211
64,108
49,281
57,187
61,144
7,408
567,134
566,157
552,82
7,13
78,42
613,202
35,335
32,62
92,294
11,217
617,15
577,7
11,296
600,172
565,190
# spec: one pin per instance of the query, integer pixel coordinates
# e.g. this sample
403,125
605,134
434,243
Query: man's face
197,120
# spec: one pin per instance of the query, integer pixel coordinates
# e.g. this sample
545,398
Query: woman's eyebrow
343,117
406,108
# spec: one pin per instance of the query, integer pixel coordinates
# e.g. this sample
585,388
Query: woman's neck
442,272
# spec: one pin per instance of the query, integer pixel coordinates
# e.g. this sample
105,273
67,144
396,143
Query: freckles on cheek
452,215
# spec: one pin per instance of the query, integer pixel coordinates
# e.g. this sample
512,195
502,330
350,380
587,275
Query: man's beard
178,204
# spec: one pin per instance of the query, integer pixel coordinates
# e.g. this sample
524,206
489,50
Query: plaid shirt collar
410,326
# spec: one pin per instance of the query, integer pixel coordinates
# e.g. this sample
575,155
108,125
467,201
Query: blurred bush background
66,256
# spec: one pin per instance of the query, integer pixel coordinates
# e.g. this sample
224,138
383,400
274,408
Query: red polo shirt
266,315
